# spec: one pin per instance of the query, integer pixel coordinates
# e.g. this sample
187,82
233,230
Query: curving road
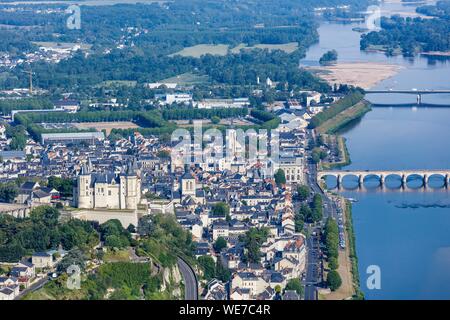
34,287
190,280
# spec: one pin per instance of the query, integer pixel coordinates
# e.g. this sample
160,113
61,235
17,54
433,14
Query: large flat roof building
71,137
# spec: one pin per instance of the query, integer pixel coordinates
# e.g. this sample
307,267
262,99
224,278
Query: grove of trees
411,36
253,240
303,192
334,280
42,231
280,177
329,57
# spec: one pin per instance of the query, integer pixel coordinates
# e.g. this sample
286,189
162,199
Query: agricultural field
286,47
116,83
187,79
202,49
223,49
223,122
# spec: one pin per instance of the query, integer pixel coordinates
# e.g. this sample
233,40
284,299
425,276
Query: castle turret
107,190
84,192
132,186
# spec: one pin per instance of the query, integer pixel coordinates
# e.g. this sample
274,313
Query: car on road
52,275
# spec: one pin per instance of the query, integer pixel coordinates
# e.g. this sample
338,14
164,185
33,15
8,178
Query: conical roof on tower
85,170
187,175
132,168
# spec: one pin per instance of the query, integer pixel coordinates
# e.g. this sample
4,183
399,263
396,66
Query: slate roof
7,291
107,177
40,194
28,186
187,175
247,275
41,254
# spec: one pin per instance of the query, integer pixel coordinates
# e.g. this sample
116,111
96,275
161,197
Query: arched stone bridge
382,175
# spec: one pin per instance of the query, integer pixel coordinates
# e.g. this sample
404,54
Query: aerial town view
255,150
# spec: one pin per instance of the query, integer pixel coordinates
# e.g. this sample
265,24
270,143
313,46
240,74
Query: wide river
405,233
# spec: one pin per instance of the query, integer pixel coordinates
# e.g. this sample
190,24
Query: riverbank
347,260
329,128
398,51
359,74
351,245
406,13
445,54
343,151
343,118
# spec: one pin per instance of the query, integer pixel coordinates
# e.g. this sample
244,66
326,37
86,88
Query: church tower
188,185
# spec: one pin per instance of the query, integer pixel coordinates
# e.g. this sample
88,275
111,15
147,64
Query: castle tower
84,192
132,186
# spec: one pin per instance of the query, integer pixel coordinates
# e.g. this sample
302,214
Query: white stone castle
108,190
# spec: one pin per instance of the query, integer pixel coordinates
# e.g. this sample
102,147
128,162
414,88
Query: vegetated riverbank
349,109
444,54
336,123
396,51
350,100
351,244
347,260
343,118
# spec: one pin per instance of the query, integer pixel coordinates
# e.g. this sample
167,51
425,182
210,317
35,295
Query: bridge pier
425,181
419,99
446,181
361,181
382,181
404,181
339,181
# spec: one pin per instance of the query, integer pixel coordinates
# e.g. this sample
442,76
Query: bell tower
188,185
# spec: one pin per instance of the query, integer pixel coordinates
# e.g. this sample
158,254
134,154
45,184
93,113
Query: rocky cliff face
171,282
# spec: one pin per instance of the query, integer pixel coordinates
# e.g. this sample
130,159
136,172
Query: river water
404,232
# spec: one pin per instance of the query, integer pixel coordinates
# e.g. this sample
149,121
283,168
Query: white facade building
178,98
108,190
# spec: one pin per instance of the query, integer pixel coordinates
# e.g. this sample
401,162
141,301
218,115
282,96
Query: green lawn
187,79
223,49
116,83
117,256
202,49
286,47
